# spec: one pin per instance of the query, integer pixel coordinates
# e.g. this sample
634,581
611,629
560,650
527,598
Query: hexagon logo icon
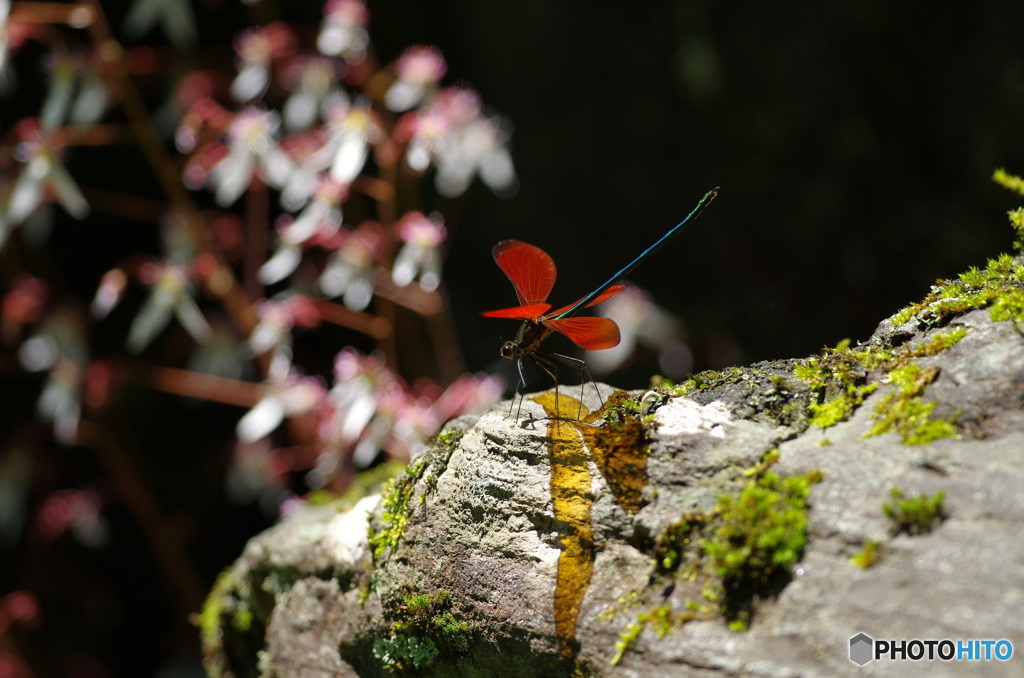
861,649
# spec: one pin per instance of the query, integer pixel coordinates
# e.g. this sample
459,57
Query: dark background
853,143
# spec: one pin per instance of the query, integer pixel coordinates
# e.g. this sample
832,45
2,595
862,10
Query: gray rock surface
519,548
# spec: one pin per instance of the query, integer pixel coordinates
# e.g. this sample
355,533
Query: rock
684,534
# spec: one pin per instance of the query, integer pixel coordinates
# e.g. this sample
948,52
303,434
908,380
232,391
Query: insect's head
508,350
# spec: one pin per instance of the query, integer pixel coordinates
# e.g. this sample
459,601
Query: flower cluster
307,125
368,409
311,143
316,150
261,311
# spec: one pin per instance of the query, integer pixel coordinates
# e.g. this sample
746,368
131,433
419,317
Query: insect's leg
585,375
586,372
520,387
544,362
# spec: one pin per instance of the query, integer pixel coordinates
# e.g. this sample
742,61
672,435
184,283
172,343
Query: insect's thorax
528,340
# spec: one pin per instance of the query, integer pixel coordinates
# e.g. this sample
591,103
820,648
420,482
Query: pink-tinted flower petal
25,197
262,419
70,198
191,318
281,265
151,319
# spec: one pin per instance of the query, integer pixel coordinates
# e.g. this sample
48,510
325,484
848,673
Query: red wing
531,312
530,269
592,334
604,296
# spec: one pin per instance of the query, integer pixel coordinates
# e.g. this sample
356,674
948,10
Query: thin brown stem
257,223
76,15
191,384
365,323
234,298
412,297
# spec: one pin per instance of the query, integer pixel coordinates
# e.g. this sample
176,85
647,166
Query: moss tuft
708,379
904,412
999,286
761,535
403,653
660,619
914,515
839,377
1007,180
399,492
422,627
867,556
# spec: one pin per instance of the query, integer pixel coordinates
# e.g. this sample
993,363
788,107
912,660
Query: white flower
174,16
454,136
312,81
60,348
362,397
109,293
478,148
321,218
256,50
287,393
343,32
350,270
419,69
252,146
273,330
41,153
420,256
171,295
351,130
277,318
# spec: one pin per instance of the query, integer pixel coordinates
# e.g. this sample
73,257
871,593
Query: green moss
722,561
904,412
454,631
675,541
1017,221
626,639
831,412
449,437
760,535
431,616
213,607
867,556
914,515
939,342
706,380
228,623
621,408
839,379
242,619
768,459
660,619
399,492
396,511
1007,180
404,653
1000,286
